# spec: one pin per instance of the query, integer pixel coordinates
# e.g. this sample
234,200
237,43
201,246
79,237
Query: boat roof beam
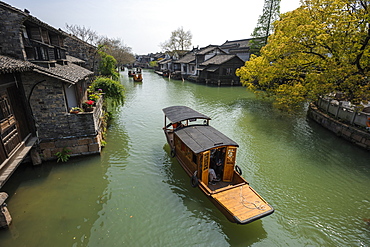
181,113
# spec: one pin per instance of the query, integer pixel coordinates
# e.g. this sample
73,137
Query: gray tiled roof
29,17
10,65
207,49
237,43
187,58
71,73
218,59
74,59
164,61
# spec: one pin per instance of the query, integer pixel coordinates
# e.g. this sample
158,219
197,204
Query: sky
144,24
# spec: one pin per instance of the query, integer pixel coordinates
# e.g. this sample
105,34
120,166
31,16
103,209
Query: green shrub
112,89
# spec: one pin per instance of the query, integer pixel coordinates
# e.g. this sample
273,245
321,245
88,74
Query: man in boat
217,160
177,125
212,176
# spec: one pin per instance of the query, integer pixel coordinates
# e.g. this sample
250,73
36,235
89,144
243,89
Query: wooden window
36,53
205,166
189,153
43,53
45,36
229,164
4,109
227,71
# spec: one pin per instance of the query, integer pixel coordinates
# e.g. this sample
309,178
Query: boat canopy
200,138
180,113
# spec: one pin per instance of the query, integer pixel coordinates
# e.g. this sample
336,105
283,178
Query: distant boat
138,77
131,73
203,151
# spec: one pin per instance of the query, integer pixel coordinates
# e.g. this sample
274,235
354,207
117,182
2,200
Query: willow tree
319,48
270,13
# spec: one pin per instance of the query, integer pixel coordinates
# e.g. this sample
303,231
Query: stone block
357,138
47,145
65,143
367,142
94,147
46,154
79,149
346,132
5,218
84,141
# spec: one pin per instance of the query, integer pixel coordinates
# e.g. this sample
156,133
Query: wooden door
205,166
25,123
229,164
10,138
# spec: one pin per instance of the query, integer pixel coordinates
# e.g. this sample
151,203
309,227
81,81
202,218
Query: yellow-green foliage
319,48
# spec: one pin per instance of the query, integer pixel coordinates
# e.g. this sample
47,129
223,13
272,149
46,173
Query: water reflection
53,203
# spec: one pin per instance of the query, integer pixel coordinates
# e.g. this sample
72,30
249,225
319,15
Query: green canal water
134,194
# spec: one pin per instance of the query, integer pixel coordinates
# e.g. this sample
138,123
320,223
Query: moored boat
208,157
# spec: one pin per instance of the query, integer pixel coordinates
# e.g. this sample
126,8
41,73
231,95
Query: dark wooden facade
16,123
220,70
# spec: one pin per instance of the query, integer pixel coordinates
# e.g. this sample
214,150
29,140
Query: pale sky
144,24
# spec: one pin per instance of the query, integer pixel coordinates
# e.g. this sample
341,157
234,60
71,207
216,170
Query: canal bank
348,132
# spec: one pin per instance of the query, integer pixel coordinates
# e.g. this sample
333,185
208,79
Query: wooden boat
131,73
138,78
199,148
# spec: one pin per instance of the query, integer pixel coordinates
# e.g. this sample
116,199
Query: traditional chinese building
39,84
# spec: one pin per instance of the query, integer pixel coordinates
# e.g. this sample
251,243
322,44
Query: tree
83,33
153,64
107,66
116,48
271,12
319,48
112,46
180,41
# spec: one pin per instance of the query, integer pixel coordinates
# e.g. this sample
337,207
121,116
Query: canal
134,194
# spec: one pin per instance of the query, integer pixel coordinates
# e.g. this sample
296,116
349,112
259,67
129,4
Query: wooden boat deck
243,203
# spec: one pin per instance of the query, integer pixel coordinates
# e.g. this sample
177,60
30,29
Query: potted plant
88,106
75,110
94,97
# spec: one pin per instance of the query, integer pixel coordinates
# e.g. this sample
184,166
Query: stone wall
344,111
47,101
10,32
77,145
348,132
56,127
84,51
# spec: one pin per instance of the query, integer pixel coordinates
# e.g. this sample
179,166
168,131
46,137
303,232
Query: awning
213,68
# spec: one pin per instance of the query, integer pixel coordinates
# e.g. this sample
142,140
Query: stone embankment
351,133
